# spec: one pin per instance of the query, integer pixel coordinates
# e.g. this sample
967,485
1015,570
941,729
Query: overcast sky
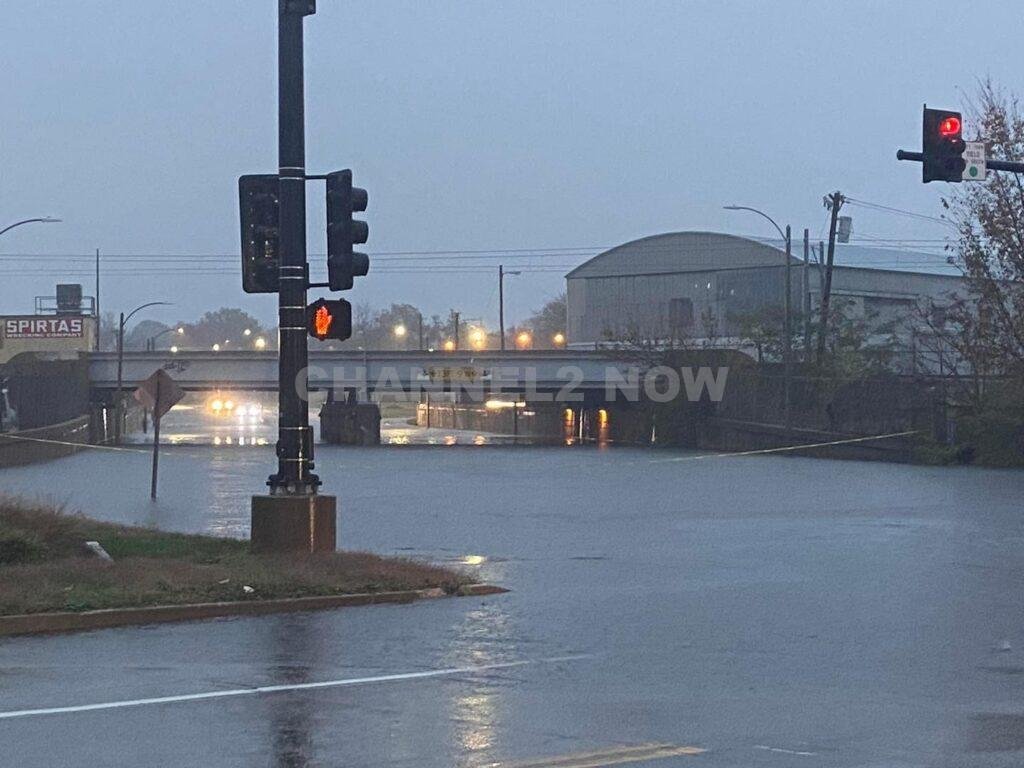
474,126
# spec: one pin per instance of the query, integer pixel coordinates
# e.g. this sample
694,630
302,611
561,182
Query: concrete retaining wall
26,446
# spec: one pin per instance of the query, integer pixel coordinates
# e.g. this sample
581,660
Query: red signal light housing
329,319
950,126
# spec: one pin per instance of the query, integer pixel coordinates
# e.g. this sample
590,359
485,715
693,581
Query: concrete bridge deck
543,371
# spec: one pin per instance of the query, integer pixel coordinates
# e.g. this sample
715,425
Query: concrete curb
43,623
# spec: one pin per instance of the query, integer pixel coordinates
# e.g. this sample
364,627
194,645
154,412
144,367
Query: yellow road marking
605,757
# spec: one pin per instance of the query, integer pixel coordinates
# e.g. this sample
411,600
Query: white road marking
606,757
281,688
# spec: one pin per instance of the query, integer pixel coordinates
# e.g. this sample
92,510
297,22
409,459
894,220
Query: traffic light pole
293,518
295,439
1013,166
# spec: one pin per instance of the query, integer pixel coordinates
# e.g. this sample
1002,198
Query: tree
986,328
108,332
226,327
137,338
549,320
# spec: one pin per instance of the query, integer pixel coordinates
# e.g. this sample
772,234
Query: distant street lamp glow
216,347
247,332
174,350
558,339
449,345
523,339
400,331
260,343
478,338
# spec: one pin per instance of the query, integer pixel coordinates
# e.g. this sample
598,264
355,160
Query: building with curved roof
701,285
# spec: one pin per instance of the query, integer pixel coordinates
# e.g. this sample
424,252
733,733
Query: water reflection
483,636
292,717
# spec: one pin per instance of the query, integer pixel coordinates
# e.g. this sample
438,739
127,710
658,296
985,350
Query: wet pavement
665,611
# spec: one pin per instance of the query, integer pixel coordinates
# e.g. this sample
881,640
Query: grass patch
45,567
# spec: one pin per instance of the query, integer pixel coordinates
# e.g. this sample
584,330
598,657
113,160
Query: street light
151,341
558,339
399,331
501,300
260,343
120,337
478,338
523,339
787,341
118,402
41,220
449,345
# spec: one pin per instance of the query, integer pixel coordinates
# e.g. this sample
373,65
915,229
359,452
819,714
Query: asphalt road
664,611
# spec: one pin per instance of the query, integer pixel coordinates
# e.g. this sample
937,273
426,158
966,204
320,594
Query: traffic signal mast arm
1013,166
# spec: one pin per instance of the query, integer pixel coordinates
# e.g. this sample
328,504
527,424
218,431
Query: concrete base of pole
294,524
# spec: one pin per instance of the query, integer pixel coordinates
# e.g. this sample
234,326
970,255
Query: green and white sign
975,170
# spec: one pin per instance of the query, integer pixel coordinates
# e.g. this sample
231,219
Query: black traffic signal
258,206
942,146
343,232
329,319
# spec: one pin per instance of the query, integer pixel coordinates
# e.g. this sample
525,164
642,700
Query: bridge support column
285,524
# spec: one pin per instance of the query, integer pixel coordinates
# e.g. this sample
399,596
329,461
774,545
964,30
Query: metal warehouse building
698,284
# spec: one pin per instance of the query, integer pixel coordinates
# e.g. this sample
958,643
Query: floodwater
772,611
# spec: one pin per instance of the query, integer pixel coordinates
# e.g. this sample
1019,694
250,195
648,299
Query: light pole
787,341
501,300
40,219
118,409
120,338
151,341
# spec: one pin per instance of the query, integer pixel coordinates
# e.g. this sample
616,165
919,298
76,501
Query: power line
898,211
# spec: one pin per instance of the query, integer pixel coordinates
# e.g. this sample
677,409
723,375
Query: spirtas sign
44,328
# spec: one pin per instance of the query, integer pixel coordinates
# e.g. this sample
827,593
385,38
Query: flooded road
771,611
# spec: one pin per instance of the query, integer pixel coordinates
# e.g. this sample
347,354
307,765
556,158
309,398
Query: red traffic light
950,127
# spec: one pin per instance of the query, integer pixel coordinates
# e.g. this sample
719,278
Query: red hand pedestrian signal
322,322
329,319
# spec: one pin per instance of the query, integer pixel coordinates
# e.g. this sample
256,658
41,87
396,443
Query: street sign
974,155
159,393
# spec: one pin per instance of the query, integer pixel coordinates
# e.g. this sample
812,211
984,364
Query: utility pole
96,302
805,299
787,329
833,202
821,267
455,322
419,316
501,304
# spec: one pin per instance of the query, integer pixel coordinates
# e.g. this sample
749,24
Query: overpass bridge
367,372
